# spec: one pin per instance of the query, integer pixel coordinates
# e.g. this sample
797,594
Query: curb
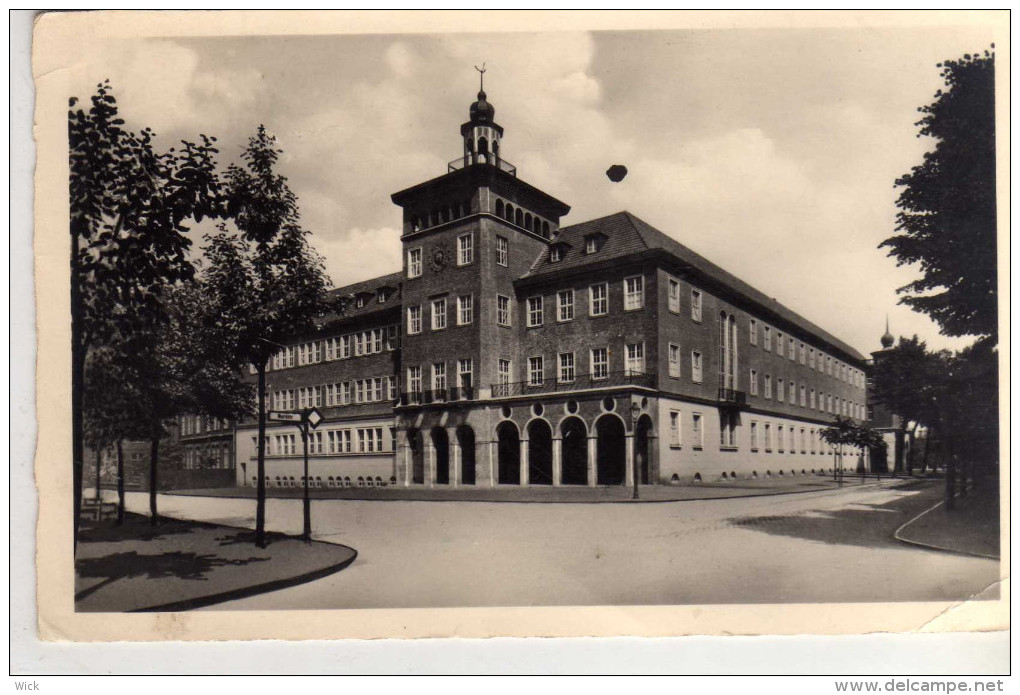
552,501
929,546
247,591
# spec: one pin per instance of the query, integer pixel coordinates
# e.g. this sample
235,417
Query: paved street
812,547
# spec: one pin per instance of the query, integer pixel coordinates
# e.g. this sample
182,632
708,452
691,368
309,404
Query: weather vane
481,77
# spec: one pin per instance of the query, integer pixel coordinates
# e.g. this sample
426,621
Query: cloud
361,254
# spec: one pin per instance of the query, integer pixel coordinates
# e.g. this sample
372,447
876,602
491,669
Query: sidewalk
971,528
180,565
560,494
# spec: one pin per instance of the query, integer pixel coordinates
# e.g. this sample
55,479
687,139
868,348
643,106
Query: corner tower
467,236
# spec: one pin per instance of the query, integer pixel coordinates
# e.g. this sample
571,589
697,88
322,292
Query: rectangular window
345,347
697,430
811,358
359,344
391,388
633,293
392,337
674,428
674,296
502,310
779,438
754,382
566,375
814,400
536,371
793,393
803,444
803,354
465,249
330,349
727,429
502,250
556,254
439,314
768,386
803,396
503,372
768,338
696,368
636,358
534,311
465,309
828,365
591,244
674,360
439,376
464,376
359,391
792,353
599,300
780,390
565,305
768,438
811,440
753,331
599,363
414,380
290,356
348,397
414,263
754,436
413,320
696,305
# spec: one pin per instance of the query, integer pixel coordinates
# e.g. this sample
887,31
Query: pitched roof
393,280
627,235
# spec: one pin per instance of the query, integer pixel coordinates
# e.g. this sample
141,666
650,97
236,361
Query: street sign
284,416
313,418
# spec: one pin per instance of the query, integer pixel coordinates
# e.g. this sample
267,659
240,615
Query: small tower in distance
887,340
481,133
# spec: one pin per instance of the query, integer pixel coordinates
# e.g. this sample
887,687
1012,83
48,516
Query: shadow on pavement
862,524
176,564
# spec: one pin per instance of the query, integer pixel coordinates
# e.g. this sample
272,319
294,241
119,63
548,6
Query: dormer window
381,295
557,252
360,301
594,242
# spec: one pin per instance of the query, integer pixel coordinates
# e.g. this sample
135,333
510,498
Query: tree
263,283
947,218
846,431
908,380
128,206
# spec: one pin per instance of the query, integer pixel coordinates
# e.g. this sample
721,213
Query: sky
772,152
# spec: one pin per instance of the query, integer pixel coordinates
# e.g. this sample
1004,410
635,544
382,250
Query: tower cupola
887,339
481,133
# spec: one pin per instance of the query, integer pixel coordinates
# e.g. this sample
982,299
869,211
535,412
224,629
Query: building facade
513,351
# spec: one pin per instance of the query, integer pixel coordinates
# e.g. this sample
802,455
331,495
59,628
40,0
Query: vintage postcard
361,325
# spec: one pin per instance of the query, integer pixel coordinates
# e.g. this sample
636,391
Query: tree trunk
927,447
99,469
260,485
77,388
951,478
120,482
910,451
153,479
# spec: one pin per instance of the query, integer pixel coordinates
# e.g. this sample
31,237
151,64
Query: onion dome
887,339
482,111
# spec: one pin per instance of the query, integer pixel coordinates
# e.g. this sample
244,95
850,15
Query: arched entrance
414,445
540,468
642,450
575,451
466,444
441,450
508,440
611,450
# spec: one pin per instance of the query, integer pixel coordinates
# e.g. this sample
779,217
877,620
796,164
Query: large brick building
512,351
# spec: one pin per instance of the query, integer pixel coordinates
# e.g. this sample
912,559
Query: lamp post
310,419
635,413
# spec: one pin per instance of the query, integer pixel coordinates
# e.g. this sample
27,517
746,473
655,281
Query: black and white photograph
525,317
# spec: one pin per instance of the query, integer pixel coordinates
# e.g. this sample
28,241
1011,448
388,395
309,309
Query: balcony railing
732,397
456,393
462,162
579,383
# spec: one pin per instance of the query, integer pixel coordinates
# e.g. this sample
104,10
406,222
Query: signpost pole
307,535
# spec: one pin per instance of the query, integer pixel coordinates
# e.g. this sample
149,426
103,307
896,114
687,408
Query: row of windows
194,457
826,403
356,392
440,215
464,314
787,437
522,218
806,355
567,366
360,440
438,376
197,424
358,344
